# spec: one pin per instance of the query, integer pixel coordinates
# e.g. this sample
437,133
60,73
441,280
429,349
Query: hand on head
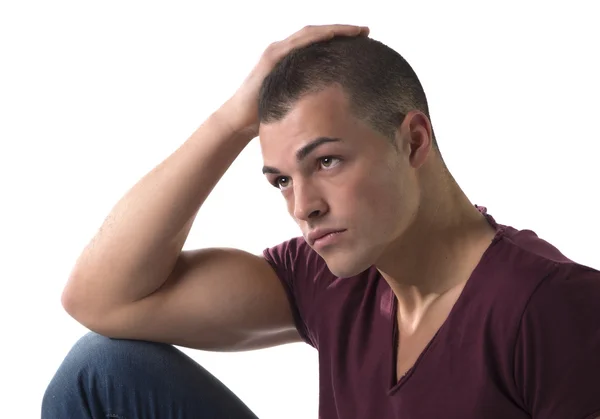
240,112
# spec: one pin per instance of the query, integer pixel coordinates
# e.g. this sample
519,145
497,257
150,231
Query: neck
438,251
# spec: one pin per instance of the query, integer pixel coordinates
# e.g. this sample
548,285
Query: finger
315,33
346,29
312,34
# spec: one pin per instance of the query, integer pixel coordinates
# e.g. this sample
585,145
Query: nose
308,202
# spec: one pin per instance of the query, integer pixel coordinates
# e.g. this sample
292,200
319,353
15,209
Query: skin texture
345,190
134,281
401,209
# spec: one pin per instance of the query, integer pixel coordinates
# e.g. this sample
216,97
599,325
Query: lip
323,236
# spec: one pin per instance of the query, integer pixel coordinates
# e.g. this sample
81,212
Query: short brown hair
381,85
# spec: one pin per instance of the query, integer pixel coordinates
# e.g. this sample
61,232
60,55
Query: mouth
327,239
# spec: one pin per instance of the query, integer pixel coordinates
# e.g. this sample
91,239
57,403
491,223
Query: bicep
215,299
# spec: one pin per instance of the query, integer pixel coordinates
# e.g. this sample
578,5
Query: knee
100,354
95,357
95,367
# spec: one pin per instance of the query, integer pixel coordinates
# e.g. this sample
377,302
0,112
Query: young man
420,304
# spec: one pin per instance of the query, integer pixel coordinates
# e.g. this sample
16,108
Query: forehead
322,114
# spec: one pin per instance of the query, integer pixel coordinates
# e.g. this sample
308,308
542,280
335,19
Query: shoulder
571,287
557,366
303,274
542,289
544,310
520,267
320,300
294,258
566,304
551,285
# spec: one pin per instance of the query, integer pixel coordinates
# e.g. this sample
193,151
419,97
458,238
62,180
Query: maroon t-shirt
522,340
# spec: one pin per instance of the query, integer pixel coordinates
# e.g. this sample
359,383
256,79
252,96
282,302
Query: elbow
88,311
79,308
69,300
73,300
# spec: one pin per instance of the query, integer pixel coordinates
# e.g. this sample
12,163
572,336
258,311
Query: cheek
289,202
381,203
377,195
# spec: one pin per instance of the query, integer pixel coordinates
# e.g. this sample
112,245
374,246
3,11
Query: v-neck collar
470,288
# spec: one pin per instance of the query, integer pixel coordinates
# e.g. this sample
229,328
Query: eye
328,161
281,182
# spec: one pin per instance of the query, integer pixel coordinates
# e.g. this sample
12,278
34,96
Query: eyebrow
304,152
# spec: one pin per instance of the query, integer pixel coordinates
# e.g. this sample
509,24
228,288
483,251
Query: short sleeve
557,354
288,259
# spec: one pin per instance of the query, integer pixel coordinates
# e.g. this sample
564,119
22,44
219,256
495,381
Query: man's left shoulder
531,273
565,304
557,367
572,287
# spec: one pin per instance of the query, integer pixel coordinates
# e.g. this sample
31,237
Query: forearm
137,246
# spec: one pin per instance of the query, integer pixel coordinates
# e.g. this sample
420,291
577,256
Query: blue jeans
127,379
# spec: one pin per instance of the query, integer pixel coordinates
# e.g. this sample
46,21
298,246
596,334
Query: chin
347,265
349,261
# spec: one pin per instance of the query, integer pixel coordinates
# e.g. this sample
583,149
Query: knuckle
271,49
272,53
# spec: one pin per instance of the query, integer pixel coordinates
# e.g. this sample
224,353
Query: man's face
353,180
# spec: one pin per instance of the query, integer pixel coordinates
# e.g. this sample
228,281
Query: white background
94,94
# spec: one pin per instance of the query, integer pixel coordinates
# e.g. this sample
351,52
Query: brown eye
281,182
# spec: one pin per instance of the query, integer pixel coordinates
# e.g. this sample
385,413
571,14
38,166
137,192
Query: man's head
363,107
381,84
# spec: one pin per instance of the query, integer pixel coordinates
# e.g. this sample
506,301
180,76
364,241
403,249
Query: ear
415,137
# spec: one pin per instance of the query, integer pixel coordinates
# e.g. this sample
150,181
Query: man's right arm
215,299
134,281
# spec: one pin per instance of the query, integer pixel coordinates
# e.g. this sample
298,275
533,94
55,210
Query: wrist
230,117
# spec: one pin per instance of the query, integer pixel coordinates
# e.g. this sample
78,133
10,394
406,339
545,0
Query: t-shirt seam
308,331
289,288
520,327
511,241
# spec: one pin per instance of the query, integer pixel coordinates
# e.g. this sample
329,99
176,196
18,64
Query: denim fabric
127,379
